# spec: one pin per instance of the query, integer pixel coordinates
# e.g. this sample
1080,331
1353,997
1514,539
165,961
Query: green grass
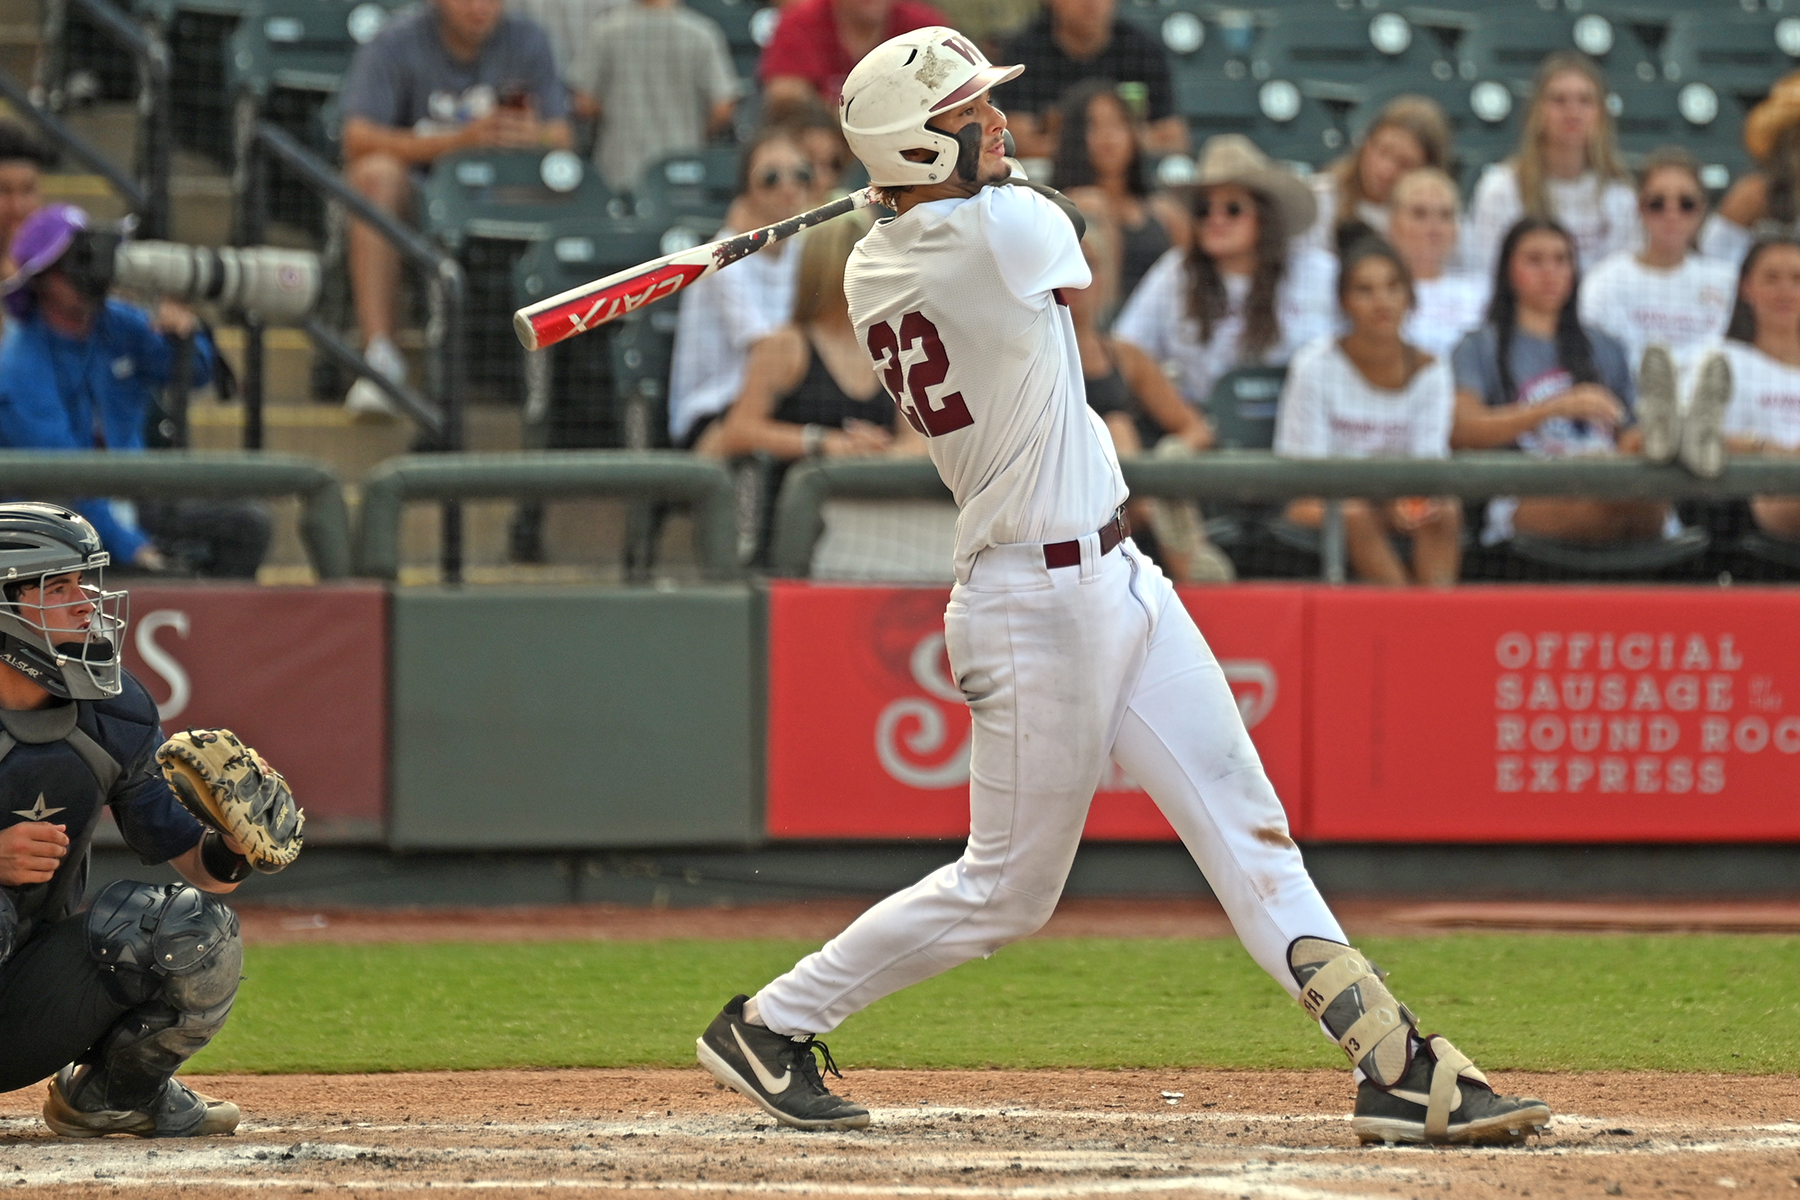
1683,1003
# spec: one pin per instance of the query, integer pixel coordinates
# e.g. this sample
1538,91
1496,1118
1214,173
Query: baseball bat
594,304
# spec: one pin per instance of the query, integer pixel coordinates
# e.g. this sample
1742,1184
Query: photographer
80,371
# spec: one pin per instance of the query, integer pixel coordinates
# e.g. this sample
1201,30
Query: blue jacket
94,393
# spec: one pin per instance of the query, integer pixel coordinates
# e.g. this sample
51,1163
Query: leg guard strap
1340,988
1452,1064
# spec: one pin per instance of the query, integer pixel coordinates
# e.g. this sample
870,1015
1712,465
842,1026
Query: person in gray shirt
447,75
662,80
1535,379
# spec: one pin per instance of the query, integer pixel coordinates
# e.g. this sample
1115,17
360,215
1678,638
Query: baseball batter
1068,643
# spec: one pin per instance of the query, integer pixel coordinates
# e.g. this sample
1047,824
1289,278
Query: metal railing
149,194
1255,476
175,475
441,422
668,475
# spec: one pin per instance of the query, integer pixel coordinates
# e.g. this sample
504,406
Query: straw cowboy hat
1234,158
1769,119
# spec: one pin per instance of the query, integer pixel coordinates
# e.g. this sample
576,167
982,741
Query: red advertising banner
868,734
1554,714
298,672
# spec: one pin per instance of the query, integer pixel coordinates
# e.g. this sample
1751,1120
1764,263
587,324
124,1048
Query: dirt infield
1075,917
1019,1135
1024,1135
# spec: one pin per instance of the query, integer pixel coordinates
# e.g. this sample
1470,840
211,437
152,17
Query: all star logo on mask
933,70
37,812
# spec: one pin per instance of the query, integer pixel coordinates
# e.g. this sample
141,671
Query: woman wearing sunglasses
1664,293
1244,295
727,312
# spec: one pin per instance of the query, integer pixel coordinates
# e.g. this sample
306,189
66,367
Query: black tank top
1108,393
1143,246
818,400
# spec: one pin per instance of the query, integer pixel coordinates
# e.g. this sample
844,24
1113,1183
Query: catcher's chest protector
52,770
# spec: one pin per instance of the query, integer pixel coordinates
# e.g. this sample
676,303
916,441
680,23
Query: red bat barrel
584,308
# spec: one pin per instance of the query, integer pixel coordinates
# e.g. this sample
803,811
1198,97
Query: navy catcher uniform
112,999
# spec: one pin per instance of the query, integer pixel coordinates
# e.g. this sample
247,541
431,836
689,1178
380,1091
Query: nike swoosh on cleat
770,1083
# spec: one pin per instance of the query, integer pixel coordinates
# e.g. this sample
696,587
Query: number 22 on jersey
910,389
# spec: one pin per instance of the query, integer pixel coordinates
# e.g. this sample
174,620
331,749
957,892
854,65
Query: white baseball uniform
958,302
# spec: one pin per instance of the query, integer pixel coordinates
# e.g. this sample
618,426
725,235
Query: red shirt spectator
818,41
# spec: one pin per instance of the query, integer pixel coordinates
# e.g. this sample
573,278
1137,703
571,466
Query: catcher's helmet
900,85
38,541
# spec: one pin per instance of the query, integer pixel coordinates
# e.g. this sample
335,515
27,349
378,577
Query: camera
277,286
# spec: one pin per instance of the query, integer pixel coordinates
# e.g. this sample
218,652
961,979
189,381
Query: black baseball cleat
776,1071
177,1111
1443,1099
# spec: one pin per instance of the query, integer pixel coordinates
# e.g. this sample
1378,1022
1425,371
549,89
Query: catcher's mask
63,634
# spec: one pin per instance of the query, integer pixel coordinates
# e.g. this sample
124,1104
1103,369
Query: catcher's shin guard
174,953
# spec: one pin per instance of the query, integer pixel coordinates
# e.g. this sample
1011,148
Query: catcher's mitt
229,788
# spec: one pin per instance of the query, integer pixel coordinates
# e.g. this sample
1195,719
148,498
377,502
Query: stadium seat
1510,44
693,188
488,207
1209,60
1623,560
1731,51
1347,47
607,388
285,63
512,195
602,390
1242,407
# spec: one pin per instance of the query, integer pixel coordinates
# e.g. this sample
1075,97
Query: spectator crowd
1572,306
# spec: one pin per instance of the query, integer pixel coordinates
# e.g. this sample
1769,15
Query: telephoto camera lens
277,286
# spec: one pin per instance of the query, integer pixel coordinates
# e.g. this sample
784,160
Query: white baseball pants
1063,668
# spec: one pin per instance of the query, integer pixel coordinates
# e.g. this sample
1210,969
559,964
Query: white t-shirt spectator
1444,309
1642,306
1156,319
721,317
1329,410
1725,240
1601,217
1765,394
1323,233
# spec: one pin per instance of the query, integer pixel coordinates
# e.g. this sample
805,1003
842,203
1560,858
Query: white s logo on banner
1253,681
162,662
928,735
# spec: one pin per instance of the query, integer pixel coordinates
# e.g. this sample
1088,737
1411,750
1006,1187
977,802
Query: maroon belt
1068,554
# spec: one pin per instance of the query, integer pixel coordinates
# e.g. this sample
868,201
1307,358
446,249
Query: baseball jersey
958,303
1765,394
1643,306
1329,410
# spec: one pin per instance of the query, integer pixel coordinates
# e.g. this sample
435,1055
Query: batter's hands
30,852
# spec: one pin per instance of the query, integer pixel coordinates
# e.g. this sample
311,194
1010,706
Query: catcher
114,998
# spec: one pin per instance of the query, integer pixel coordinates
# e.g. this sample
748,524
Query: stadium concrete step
18,42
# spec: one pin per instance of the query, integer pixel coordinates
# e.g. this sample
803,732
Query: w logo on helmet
958,43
